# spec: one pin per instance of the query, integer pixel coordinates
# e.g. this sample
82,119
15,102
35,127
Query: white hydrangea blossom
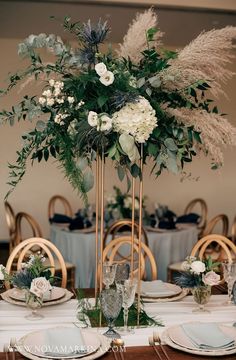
59,118
137,119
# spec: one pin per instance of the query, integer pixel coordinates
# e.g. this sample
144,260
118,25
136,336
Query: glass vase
201,296
34,303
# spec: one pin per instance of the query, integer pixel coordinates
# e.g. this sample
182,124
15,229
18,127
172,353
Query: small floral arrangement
198,273
2,274
33,276
120,204
139,102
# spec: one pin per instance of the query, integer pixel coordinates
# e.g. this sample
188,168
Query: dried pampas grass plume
205,58
135,41
216,131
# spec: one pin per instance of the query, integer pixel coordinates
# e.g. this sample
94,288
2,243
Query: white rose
42,101
198,267
50,101
107,79
185,266
51,82
105,123
92,118
71,99
2,269
211,278
40,286
100,68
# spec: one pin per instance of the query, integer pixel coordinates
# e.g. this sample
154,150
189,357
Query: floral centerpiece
139,101
33,278
119,205
199,276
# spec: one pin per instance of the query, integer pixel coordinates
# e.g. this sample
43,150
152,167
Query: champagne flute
127,289
229,271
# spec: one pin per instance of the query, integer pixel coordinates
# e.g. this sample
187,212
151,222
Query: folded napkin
189,218
64,342
60,219
207,336
155,288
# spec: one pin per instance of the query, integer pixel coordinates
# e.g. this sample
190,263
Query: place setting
160,291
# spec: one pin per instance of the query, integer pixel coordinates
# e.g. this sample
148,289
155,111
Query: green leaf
170,144
46,154
88,180
82,163
141,82
197,136
128,183
112,151
135,171
102,100
40,125
155,81
153,149
150,33
149,91
121,172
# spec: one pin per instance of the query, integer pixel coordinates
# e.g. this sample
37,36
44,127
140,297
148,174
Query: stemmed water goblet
108,273
127,288
229,272
111,303
122,272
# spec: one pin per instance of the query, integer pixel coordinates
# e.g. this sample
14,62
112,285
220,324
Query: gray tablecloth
79,248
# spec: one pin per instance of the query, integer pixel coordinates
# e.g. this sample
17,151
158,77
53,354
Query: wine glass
122,272
229,271
127,289
108,273
111,303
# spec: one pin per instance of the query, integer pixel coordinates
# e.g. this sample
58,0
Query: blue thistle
120,98
188,280
87,55
22,279
94,34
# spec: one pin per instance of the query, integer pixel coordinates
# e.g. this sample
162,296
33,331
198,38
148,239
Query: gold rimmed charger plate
176,297
167,338
55,294
101,350
7,297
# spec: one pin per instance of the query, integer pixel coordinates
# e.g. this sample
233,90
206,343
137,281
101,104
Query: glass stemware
122,272
229,271
111,303
108,273
127,289
34,303
201,295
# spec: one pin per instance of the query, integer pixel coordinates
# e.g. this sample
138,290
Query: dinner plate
184,344
34,343
169,287
55,294
104,346
6,296
177,297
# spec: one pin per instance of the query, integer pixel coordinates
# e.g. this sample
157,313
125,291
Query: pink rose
39,286
211,278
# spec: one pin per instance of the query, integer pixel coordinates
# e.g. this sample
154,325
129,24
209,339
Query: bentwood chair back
227,249
58,199
21,218
215,221
233,231
198,202
11,222
112,254
21,252
126,224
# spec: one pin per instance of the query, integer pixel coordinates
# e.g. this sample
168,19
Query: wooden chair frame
115,244
215,220
204,211
23,248
65,203
36,230
233,231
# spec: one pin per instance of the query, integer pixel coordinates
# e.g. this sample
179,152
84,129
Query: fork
152,343
157,339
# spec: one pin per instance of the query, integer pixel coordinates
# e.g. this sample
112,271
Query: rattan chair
37,232
11,223
64,202
112,254
126,224
203,212
233,231
23,249
222,218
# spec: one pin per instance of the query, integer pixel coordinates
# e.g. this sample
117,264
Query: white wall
44,180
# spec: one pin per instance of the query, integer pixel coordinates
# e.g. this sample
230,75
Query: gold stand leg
140,231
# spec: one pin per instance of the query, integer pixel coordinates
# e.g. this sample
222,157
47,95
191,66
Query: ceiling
181,24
